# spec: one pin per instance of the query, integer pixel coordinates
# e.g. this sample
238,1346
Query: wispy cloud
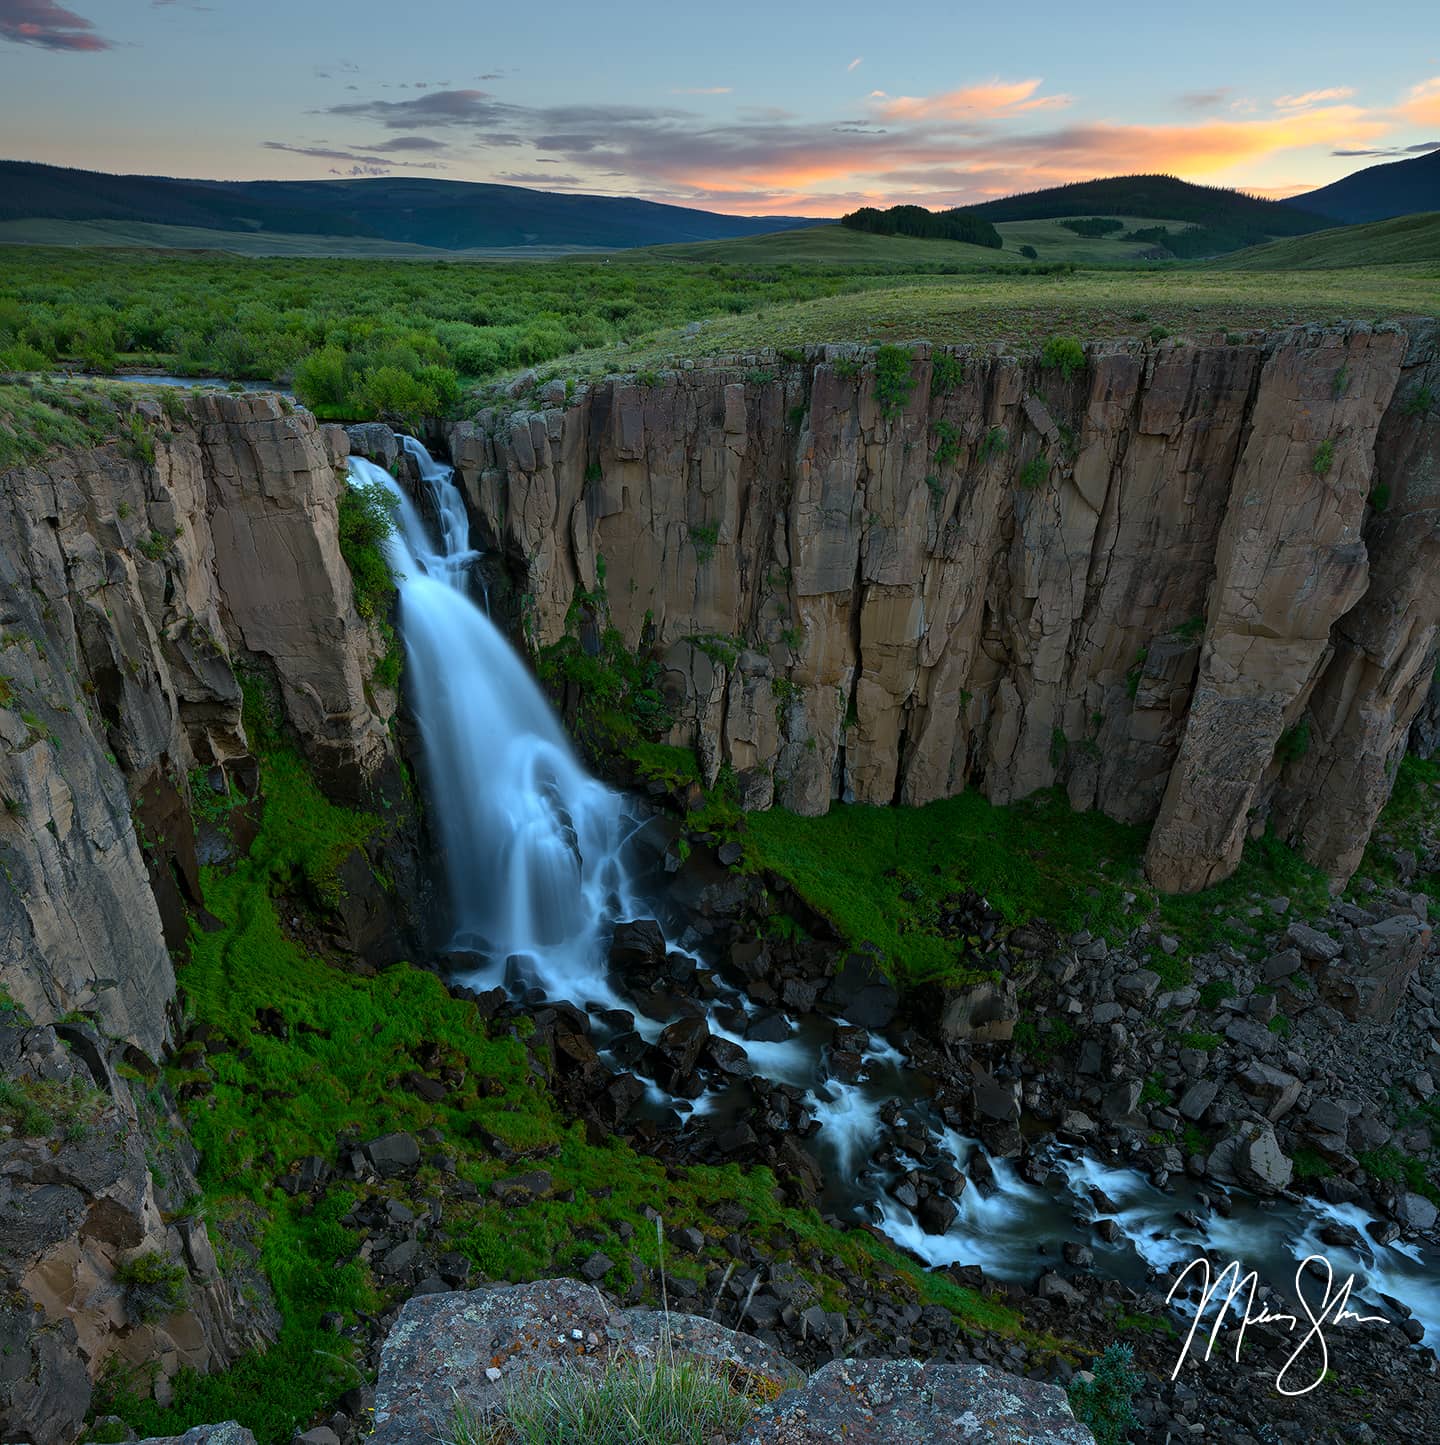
537,178
48,25
1207,99
985,139
1315,97
1421,105
1395,152
855,64
701,89
329,153
996,97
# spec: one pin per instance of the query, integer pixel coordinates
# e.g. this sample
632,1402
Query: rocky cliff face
138,583
1182,582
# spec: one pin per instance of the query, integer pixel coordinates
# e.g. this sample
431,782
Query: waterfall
532,844
534,858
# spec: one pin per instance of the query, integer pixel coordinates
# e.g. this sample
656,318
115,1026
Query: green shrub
1035,472
1294,742
929,225
949,442
1094,226
995,444
704,537
1380,496
947,371
323,379
1421,400
137,441
367,518
1065,354
669,1399
894,379
155,1286
1215,992
1030,253
1105,1403
1324,458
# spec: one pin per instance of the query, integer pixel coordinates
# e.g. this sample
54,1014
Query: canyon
1190,583
1146,578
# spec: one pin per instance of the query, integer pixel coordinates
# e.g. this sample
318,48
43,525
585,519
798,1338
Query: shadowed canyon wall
1192,583
136,581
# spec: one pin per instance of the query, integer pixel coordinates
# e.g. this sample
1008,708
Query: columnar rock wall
1150,583
131,591
128,591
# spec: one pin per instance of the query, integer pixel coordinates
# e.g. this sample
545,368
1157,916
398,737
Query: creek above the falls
543,861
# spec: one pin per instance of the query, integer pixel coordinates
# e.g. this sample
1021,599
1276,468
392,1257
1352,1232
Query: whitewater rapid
535,856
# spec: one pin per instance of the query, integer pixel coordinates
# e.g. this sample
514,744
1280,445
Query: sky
782,107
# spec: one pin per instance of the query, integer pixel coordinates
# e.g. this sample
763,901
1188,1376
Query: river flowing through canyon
542,863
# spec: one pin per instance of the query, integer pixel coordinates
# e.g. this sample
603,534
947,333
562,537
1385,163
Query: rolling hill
1401,241
1394,188
445,215
1160,197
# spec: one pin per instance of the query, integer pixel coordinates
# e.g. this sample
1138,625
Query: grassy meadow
397,338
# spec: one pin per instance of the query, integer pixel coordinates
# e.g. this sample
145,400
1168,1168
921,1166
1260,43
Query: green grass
635,1400
1405,240
1412,812
331,1070
39,418
881,876
1024,307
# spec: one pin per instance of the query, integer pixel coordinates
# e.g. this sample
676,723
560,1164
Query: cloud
1207,99
1421,105
1315,97
537,178
701,90
997,97
327,153
1424,147
855,64
962,145
48,25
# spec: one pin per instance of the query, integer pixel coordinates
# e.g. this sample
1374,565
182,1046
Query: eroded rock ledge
1193,583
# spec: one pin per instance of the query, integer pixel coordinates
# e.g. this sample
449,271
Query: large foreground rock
905,1402
227,1434
470,1347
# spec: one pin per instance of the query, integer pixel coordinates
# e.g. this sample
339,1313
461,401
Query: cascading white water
534,856
532,844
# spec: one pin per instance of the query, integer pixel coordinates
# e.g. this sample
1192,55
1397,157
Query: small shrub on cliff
1294,743
894,380
155,1286
1324,458
947,371
996,443
1419,401
948,449
367,518
1035,471
1105,1403
1063,354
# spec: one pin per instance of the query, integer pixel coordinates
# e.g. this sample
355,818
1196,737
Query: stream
542,861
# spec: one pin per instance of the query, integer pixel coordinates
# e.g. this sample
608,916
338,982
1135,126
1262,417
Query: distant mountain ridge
1163,198
1379,193
450,215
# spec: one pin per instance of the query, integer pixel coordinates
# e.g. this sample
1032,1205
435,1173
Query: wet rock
637,945
1121,1101
861,994
1275,1090
679,1046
